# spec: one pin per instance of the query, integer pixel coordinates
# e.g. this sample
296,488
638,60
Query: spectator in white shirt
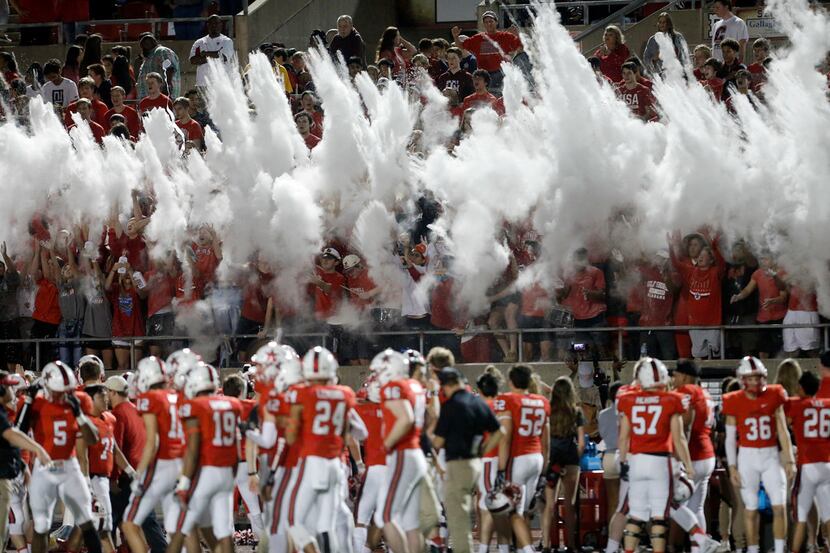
729,26
213,45
57,90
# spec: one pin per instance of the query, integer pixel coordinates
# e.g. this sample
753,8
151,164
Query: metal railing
630,6
324,338
125,23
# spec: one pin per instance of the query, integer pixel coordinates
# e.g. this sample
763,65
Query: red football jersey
529,413
323,420
163,404
372,415
412,391
649,414
218,417
699,402
810,418
85,400
54,427
101,454
291,453
755,417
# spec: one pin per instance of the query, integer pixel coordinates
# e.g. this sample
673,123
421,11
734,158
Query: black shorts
505,301
563,452
534,322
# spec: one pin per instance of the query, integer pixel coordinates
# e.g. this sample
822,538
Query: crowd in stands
84,283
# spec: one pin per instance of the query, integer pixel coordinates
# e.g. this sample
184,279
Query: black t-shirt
463,421
10,461
461,82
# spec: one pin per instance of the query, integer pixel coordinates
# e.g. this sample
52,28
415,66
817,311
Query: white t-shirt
734,28
60,95
221,44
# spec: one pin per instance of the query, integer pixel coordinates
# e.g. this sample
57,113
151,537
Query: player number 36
759,428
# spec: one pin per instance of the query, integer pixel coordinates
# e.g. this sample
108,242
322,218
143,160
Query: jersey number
176,432
759,428
531,421
59,430
224,428
644,419
328,421
817,423
109,445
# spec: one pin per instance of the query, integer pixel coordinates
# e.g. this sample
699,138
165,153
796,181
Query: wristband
252,473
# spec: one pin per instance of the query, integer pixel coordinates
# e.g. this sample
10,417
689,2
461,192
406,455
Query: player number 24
644,419
327,420
817,423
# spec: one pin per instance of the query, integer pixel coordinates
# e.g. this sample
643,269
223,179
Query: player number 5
59,430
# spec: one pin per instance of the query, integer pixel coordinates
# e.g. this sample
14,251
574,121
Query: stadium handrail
154,22
423,334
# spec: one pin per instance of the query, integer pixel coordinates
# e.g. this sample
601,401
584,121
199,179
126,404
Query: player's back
810,417
649,414
411,391
164,405
218,417
54,427
101,455
325,415
372,416
702,407
529,412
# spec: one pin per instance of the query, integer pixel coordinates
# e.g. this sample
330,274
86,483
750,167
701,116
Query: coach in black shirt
463,421
11,441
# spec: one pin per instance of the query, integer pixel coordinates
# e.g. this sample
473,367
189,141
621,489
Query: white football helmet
682,485
291,372
389,365
150,371
202,378
267,360
58,378
752,366
416,361
651,373
502,501
319,364
132,384
179,364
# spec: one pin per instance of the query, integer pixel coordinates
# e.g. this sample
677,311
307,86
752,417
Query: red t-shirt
192,130
442,314
491,49
127,319
755,417
162,291
610,64
649,415
529,412
372,416
703,291
311,140
130,434
479,100
218,417
47,309
101,455
254,299
98,131
810,422
639,99
326,303
715,85
133,122
589,279
411,391
54,427
323,420
98,113
146,104
699,402
801,300
135,249
536,302
360,282
163,405
657,297
768,289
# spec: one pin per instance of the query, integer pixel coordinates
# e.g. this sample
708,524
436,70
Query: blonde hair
789,371
493,370
616,31
440,358
703,48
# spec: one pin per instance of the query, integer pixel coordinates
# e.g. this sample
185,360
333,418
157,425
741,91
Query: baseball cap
350,261
331,252
489,13
116,384
687,366
450,375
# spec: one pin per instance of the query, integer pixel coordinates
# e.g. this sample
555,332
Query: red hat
421,249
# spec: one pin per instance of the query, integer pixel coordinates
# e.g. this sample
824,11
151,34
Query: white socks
780,545
613,546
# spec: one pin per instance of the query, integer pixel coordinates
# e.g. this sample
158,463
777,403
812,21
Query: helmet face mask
754,383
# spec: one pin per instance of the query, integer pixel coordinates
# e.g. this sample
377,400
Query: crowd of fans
83,284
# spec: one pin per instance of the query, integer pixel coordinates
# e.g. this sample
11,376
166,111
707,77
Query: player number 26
817,423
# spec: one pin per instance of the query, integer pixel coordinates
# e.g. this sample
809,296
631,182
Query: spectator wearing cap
160,60
347,42
613,53
130,436
460,431
491,48
362,295
328,285
214,45
119,108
